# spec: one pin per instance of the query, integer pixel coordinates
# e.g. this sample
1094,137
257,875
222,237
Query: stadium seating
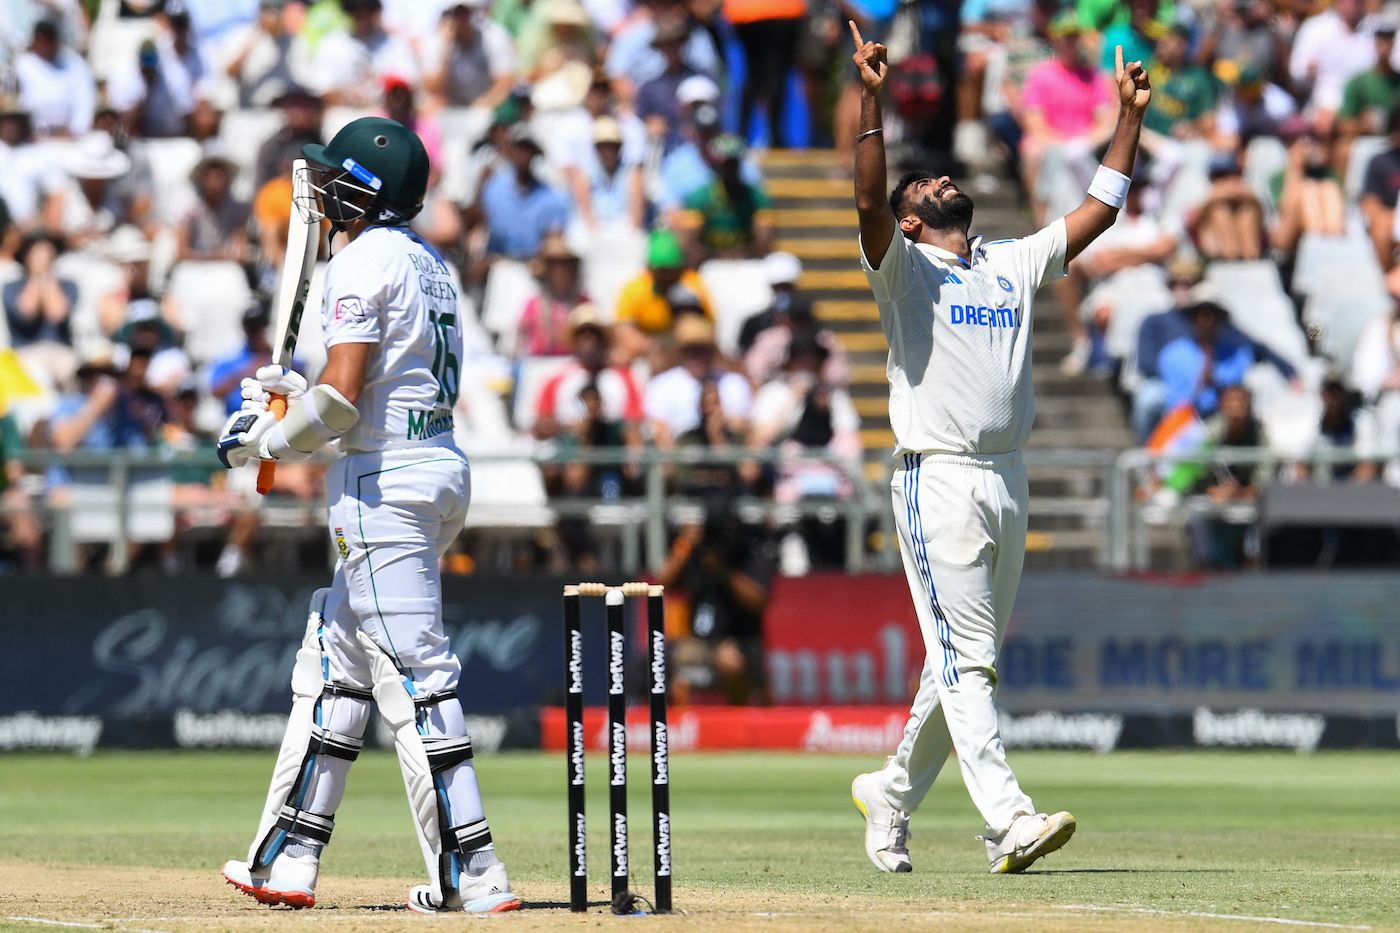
241,134
211,298
171,160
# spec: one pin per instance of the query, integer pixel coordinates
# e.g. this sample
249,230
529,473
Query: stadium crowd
584,189
597,189
1248,294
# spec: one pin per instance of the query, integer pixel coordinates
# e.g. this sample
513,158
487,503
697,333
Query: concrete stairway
816,221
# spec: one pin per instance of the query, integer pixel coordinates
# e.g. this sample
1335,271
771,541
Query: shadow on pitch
526,905
1130,871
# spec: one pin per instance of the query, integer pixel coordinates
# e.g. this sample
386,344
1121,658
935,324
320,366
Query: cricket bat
293,287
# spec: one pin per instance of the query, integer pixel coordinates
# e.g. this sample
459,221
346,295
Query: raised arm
1091,218
872,205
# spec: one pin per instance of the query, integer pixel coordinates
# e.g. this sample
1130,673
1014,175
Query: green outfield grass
1314,838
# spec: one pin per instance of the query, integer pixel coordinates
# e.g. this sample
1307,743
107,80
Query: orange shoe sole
294,899
501,908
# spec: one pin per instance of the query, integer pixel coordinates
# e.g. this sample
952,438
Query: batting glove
272,380
243,436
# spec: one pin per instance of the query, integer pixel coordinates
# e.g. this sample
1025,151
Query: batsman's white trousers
962,536
392,514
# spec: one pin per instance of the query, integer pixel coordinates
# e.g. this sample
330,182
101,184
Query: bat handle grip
267,469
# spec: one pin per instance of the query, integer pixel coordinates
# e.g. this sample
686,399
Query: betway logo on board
228,729
1251,727
32,732
1061,730
841,675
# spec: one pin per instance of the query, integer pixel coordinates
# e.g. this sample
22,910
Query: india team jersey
960,339
390,289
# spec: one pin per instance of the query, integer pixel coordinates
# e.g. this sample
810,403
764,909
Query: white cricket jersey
389,288
960,339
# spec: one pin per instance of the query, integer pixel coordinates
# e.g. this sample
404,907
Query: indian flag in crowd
1180,434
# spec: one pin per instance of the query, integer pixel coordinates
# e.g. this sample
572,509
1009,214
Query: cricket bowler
396,499
957,314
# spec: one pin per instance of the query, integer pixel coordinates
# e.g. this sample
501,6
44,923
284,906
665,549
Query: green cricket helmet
374,168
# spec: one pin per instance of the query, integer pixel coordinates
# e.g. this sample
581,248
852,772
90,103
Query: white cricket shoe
886,829
290,880
1029,837
487,893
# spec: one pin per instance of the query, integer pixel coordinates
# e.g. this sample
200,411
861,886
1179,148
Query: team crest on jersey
1005,284
349,309
340,544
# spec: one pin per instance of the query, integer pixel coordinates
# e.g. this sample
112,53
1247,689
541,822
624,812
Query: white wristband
1110,187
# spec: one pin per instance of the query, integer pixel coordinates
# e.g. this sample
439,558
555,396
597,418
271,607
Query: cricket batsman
396,499
956,311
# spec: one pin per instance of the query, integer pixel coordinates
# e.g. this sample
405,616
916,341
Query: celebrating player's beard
945,213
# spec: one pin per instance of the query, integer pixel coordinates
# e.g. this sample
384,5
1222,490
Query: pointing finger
1118,60
855,33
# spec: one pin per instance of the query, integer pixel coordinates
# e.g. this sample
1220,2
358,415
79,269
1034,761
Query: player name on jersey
425,424
433,277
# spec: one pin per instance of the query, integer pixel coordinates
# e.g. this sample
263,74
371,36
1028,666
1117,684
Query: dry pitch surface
1171,841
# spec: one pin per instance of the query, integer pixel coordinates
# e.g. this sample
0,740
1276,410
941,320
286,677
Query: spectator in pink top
1066,102
544,324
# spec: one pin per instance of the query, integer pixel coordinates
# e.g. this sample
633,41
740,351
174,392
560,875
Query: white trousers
391,516
962,536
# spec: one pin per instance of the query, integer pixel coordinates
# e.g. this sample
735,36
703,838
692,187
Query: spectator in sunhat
658,100
91,205
544,323
521,209
216,225
1184,95
611,191
1250,106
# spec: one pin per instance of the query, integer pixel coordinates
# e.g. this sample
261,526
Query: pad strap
336,744
446,752
316,826
433,699
341,690
471,836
